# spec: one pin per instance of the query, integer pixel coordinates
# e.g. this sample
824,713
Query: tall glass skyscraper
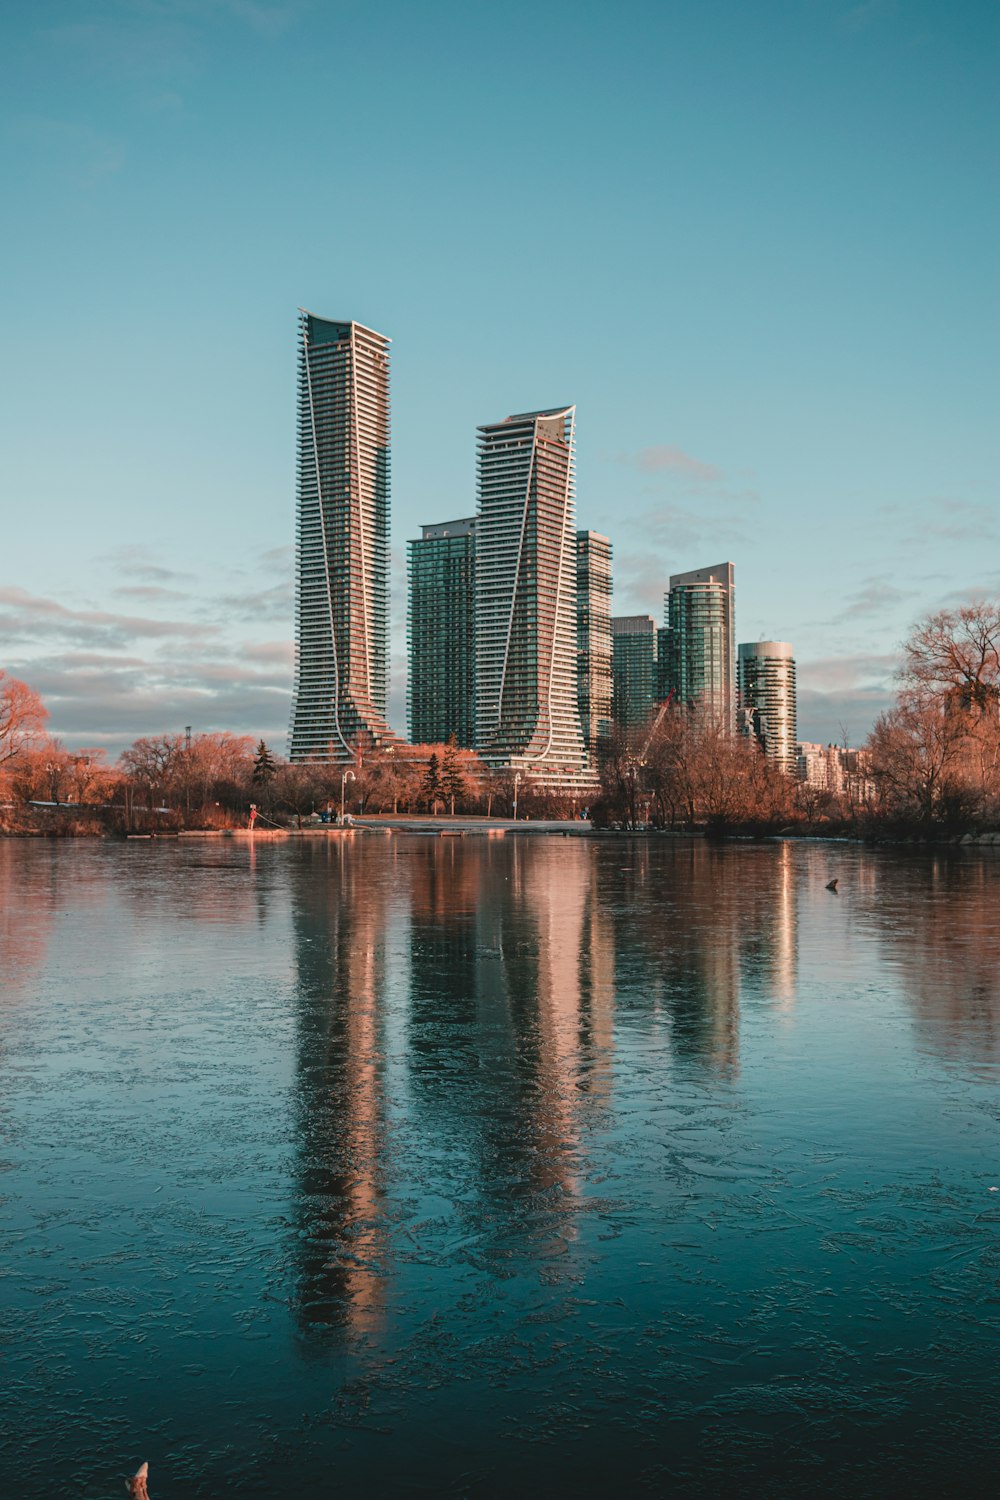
634,638
526,713
593,637
442,575
768,706
341,667
699,613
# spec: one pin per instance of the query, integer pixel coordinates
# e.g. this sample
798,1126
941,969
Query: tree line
931,766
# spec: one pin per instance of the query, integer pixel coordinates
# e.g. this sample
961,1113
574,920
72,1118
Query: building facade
635,676
342,655
767,699
593,638
440,634
526,717
699,612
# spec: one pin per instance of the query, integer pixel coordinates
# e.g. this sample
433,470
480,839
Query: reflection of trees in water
937,917
202,880
29,900
702,922
341,901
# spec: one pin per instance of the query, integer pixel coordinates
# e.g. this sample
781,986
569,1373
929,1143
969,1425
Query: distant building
440,640
593,637
767,699
342,650
634,669
526,715
699,611
835,768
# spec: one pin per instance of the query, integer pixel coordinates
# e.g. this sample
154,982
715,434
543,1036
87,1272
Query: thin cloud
876,596
275,603
666,459
150,593
25,616
140,563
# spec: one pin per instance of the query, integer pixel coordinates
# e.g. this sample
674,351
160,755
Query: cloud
839,693
151,593
276,603
110,700
142,563
875,596
940,518
868,13
666,459
25,616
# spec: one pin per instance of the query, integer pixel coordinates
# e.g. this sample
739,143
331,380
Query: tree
916,754
430,788
264,766
296,789
956,654
453,782
22,716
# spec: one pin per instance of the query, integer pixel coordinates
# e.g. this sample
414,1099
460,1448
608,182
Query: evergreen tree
452,779
264,767
431,787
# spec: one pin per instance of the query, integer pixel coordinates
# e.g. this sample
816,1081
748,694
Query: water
423,1166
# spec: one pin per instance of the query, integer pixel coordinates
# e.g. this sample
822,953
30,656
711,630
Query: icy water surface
539,1166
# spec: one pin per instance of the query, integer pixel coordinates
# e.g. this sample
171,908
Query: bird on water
831,885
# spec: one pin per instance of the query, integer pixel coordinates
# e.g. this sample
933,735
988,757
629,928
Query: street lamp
347,776
517,783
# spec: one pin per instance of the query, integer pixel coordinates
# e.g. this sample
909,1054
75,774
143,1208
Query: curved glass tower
525,710
767,698
341,666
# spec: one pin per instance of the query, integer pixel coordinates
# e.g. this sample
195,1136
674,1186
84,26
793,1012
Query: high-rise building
663,684
700,614
767,698
634,640
526,714
442,575
593,637
342,663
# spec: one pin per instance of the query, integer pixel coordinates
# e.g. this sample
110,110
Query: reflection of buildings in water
768,924
687,917
937,918
714,923
509,1026
342,900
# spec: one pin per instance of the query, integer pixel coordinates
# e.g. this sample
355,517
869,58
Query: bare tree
956,654
22,716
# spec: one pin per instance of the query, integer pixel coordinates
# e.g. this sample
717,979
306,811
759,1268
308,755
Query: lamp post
345,778
517,783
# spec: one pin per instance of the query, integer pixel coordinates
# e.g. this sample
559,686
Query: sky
756,244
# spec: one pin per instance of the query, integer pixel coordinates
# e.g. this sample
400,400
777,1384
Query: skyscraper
341,665
593,637
526,713
767,698
442,573
634,638
699,611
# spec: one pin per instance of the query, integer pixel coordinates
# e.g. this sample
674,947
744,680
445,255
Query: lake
407,1165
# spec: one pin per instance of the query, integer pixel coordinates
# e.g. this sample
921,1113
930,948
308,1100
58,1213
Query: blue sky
755,243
